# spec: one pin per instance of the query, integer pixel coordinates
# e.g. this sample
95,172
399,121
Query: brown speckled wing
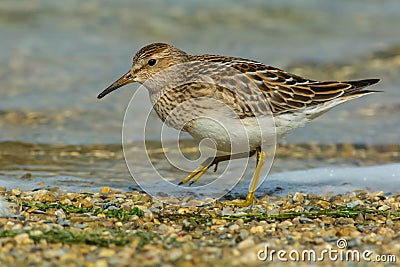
287,92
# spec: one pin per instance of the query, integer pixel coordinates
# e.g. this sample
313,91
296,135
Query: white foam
336,180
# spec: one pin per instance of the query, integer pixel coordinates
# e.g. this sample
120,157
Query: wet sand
90,167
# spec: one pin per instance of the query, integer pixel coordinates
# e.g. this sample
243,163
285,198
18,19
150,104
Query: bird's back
286,92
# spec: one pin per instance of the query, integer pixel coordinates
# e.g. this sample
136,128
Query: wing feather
285,91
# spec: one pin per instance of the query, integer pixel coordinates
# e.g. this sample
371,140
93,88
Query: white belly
232,134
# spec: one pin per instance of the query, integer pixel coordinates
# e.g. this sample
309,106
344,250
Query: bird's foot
197,173
250,199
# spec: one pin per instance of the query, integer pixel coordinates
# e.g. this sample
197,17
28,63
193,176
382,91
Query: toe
241,202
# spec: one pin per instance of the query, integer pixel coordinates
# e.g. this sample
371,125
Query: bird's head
147,62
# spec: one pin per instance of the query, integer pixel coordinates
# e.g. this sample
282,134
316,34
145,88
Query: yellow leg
203,168
197,172
197,177
261,157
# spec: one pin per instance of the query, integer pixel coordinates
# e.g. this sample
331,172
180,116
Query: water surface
55,58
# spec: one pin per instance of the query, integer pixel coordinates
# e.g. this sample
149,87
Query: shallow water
89,167
55,58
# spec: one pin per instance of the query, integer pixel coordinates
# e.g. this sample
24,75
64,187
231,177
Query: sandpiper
292,100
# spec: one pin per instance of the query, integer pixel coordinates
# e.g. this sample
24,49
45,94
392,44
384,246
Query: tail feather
357,87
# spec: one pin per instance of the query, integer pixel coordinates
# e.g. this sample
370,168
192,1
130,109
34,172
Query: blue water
57,56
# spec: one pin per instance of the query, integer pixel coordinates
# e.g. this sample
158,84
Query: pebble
304,219
15,191
243,234
105,190
246,243
65,223
384,207
175,254
234,227
187,236
44,196
101,263
298,197
256,230
111,208
81,225
106,252
359,218
23,239
60,214
355,203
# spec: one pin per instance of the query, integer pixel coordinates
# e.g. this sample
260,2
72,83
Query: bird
247,87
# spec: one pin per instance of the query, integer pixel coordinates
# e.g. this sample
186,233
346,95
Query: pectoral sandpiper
291,99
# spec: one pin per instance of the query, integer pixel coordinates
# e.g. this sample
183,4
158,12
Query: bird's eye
152,62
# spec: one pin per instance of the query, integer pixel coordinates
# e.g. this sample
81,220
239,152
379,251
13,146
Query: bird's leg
199,170
236,156
203,168
215,162
261,157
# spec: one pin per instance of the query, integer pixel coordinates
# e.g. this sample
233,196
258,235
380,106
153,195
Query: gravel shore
110,228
